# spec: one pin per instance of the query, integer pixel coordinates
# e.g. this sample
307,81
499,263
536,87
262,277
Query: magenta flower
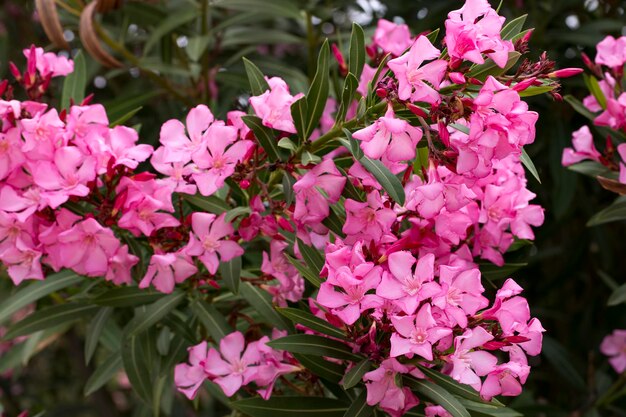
180,146
615,114
176,172
369,220
416,334
145,217
582,139
407,287
611,52
23,261
87,248
43,134
504,380
614,346
290,283
232,367
474,29
417,82
390,137
311,205
467,363
49,63
274,105
120,265
461,293
123,148
11,155
207,240
383,390
392,38
436,411
166,270
189,377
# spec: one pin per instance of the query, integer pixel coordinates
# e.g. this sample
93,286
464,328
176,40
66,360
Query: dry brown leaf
90,40
47,11
105,6
612,185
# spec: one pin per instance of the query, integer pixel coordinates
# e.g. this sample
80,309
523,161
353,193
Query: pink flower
43,134
207,240
468,364
436,411
390,137
166,270
22,261
461,293
11,156
311,206
290,283
407,287
120,265
615,114
611,52
274,105
87,248
189,377
582,139
614,346
370,220
123,148
392,38
419,82
621,150
232,367
180,146
474,29
416,334
145,217
49,63
504,380
383,390
176,172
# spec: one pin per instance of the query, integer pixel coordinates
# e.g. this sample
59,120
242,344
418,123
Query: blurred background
154,59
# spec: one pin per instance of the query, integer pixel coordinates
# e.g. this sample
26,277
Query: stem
67,8
427,132
312,43
613,392
130,57
204,29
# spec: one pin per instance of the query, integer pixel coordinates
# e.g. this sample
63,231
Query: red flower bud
565,73
416,110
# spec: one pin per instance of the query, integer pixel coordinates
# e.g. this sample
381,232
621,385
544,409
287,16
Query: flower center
210,244
419,336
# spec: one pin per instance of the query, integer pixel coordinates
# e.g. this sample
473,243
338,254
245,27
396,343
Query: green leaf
615,212
290,407
321,367
75,83
513,28
530,166
432,36
480,409
123,119
211,204
232,214
305,271
536,90
494,272
350,84
288,183
31,292
94,330
334,223
618,296
593,169
352,144
437,395
390,183
453,386
213,320
127,297
312,322
136,369
359,407
481,72
49,317
196,47
264,135
355,375
231,274
311,256
106,371
579,107
559,358
143,320
123,104
274,8
594,88
258,84
356,59
262,302
299,113
180,17
309,344
309,158
318,92
287,143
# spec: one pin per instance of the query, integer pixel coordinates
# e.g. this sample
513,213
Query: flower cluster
614,346
607,104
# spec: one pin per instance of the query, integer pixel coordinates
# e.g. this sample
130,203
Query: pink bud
381,92
144,176
565,73
15,71
416,110
244,184
340,60
523,85
457,77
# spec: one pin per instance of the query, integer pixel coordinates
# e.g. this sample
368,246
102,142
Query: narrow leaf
530,166
94,330
211,204
359,407
258,84
558,356
356,60
169,24
106,371
305,271
75,83
324,369
390,183
312,322
262,302
615,212
481,72
137,369
437,395
264,135
513,28
290,407
318,92
49,317
311,256
127,297
314,345
299,113
213,320
153,313
231,274
355,375
618,296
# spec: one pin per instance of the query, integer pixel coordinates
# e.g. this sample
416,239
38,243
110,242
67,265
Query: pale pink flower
467,363
416,334
123,148
180,146
311,205
120,266
436,411
582,139
166,270
369,220
504,380
11,156
23,261
383,391
274,105
416,81
461,293
392,38
615,114
614,346
189,377
611,52
207,240
49,63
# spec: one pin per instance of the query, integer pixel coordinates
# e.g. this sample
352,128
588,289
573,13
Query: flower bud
565,73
